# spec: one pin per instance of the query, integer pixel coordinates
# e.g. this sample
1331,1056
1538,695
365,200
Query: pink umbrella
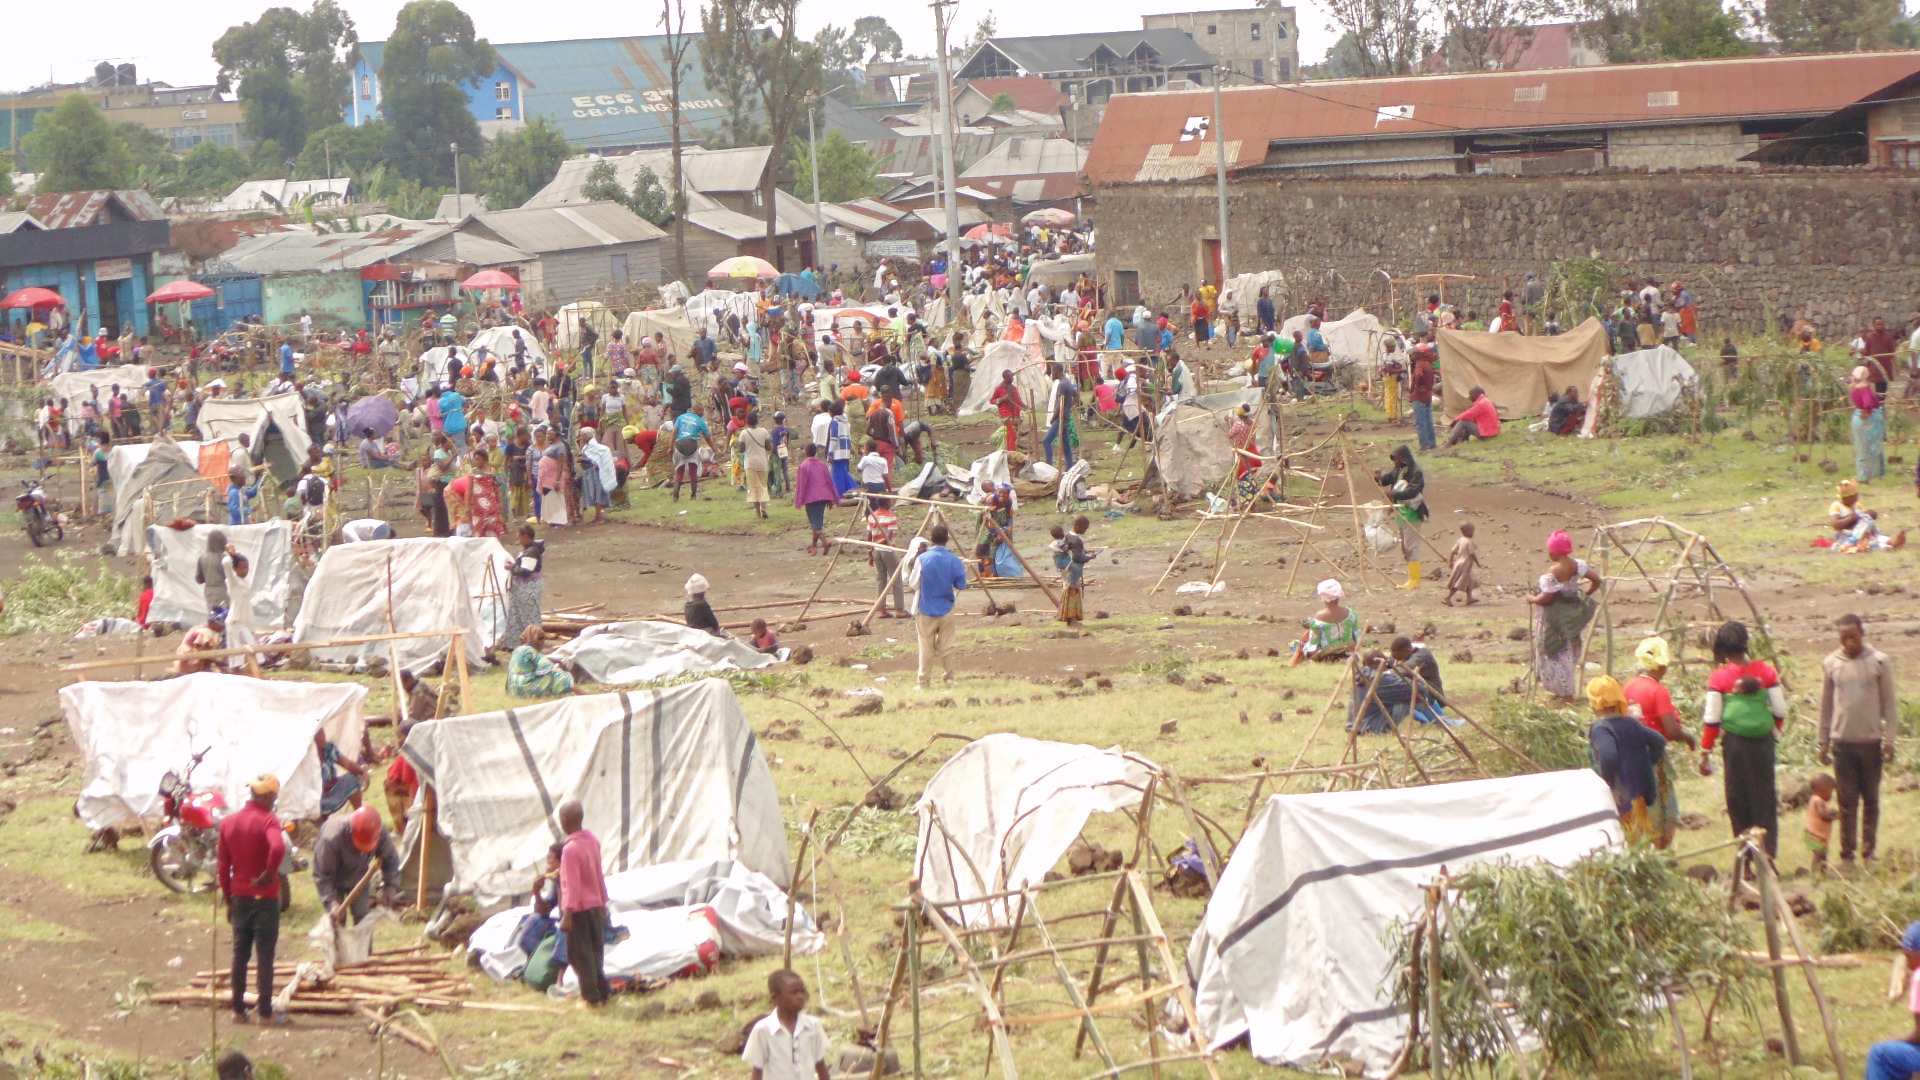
981,232
33,297
491,279
179,292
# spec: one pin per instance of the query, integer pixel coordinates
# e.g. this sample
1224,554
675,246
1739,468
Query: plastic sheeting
456,583
268,547
498,341
631,652
179,491
75,385
1007,808
1191,449
229,418
1029,377
1517,371
669,321
1292,950
1359,336
662,774
1652,381
749,919
570,318
711,307
131,733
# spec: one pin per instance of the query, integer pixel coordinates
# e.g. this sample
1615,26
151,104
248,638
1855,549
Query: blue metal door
233,299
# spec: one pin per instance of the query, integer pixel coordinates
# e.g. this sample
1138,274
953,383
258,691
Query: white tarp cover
751,912
1359,336
123,458
74,385
582,313
1191,449
498,341
669,321
631,652
1029,377
1012,806
175,553
663,775
132,733
1292,950
710,308
437,584
1246,292
229,418
1651,381
179,492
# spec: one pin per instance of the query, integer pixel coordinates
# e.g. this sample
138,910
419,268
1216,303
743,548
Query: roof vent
1663,99
1389,113
1530,93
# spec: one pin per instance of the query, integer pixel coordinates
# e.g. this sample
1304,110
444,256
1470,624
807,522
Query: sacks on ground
642,651
1652,381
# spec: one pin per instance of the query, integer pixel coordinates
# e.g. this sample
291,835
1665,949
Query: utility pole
455,147
1219,126
813,161
947,168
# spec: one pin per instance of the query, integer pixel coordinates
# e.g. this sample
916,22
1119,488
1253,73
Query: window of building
1903,155
1259,71
1126,287
183,138
220,134
1212,29
366,87
1256,31
1286,70
503,91
504,112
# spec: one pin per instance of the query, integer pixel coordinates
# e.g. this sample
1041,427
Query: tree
519,163
293,69
986,29
848,170
6,175
155,167
762,37
1827,25
673,19
1643,30
76,148
647,198
346,150
1002,103
1488,35
1388,37
431,57
211,170
727,54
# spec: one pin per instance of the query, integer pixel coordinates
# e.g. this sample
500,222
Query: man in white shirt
306,326
821,426
873,469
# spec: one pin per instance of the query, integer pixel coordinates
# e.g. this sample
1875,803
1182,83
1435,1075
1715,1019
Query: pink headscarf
1559,543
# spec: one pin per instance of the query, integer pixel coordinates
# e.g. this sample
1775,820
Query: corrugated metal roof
735,170
466,249
16,220
309,252
282,193
456,207
1029,158
1141,135
1065,53
567,228
69,209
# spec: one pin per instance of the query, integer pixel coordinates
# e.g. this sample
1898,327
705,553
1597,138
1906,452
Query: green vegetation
62,596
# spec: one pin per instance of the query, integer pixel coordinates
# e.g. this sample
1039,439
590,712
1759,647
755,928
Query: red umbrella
981,232
33,297
491,279
179,292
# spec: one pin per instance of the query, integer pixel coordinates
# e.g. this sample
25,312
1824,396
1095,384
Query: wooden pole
1436,1066
1807,965
806,838
1770,917
429,820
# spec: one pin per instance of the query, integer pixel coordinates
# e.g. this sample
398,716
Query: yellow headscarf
1604,694
1652,654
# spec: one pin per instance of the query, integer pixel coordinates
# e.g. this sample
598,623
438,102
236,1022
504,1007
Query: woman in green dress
1332,632
531,675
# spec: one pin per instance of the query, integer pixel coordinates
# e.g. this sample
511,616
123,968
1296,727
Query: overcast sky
173,42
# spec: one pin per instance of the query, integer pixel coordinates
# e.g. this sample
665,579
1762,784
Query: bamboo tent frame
1697,590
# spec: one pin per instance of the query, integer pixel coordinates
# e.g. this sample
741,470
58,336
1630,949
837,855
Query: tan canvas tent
671,322
1517,371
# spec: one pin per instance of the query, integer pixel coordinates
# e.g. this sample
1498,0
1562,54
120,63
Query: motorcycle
184,852
36,513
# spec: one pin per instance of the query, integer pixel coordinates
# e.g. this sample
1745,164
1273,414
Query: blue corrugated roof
609,92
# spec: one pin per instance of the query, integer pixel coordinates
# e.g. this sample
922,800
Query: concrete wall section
1683,146
1835,246
336,300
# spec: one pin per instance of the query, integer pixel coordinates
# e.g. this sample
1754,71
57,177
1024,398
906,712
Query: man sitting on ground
1479,420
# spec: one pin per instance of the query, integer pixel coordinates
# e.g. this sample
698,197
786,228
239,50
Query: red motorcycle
184,853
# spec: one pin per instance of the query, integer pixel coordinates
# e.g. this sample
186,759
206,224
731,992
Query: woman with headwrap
1332,632
1856,528
1626,754
1650,701
1561,614
1743,711
1869,428
597,475
550,465
995,550
531,675
473,500
525,590
1406,485
698,613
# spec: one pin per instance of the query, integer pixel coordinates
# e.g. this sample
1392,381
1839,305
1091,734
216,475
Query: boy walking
1462,561
787,1044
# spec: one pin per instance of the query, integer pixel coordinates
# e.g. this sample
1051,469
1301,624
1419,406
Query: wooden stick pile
409,976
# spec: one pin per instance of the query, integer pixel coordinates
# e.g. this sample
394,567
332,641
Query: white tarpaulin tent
268,547
452,583
229,418
123,458
132,733
669,321
1191,448
1359,336
1652,381
709,308
580,313
1029,377
75,385
631,652
498,341
662,774
179,491
1292,951
1007,808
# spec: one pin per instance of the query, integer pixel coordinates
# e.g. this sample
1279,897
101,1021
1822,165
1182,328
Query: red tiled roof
1140,134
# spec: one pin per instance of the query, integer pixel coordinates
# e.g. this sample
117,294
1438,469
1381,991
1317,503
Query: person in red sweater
1477,421
252,846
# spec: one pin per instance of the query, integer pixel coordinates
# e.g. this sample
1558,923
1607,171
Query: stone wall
1838,247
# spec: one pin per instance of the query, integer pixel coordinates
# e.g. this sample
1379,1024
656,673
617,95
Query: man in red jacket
252,845
1477,421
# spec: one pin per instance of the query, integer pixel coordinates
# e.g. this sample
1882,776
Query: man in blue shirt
689,431
286,358
703,350
1317,351
156,389
1116,332
942,575
1264,311
453,416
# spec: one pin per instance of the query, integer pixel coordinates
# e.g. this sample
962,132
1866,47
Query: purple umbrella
372,412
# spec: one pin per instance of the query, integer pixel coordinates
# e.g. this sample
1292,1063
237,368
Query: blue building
94,248
604,94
